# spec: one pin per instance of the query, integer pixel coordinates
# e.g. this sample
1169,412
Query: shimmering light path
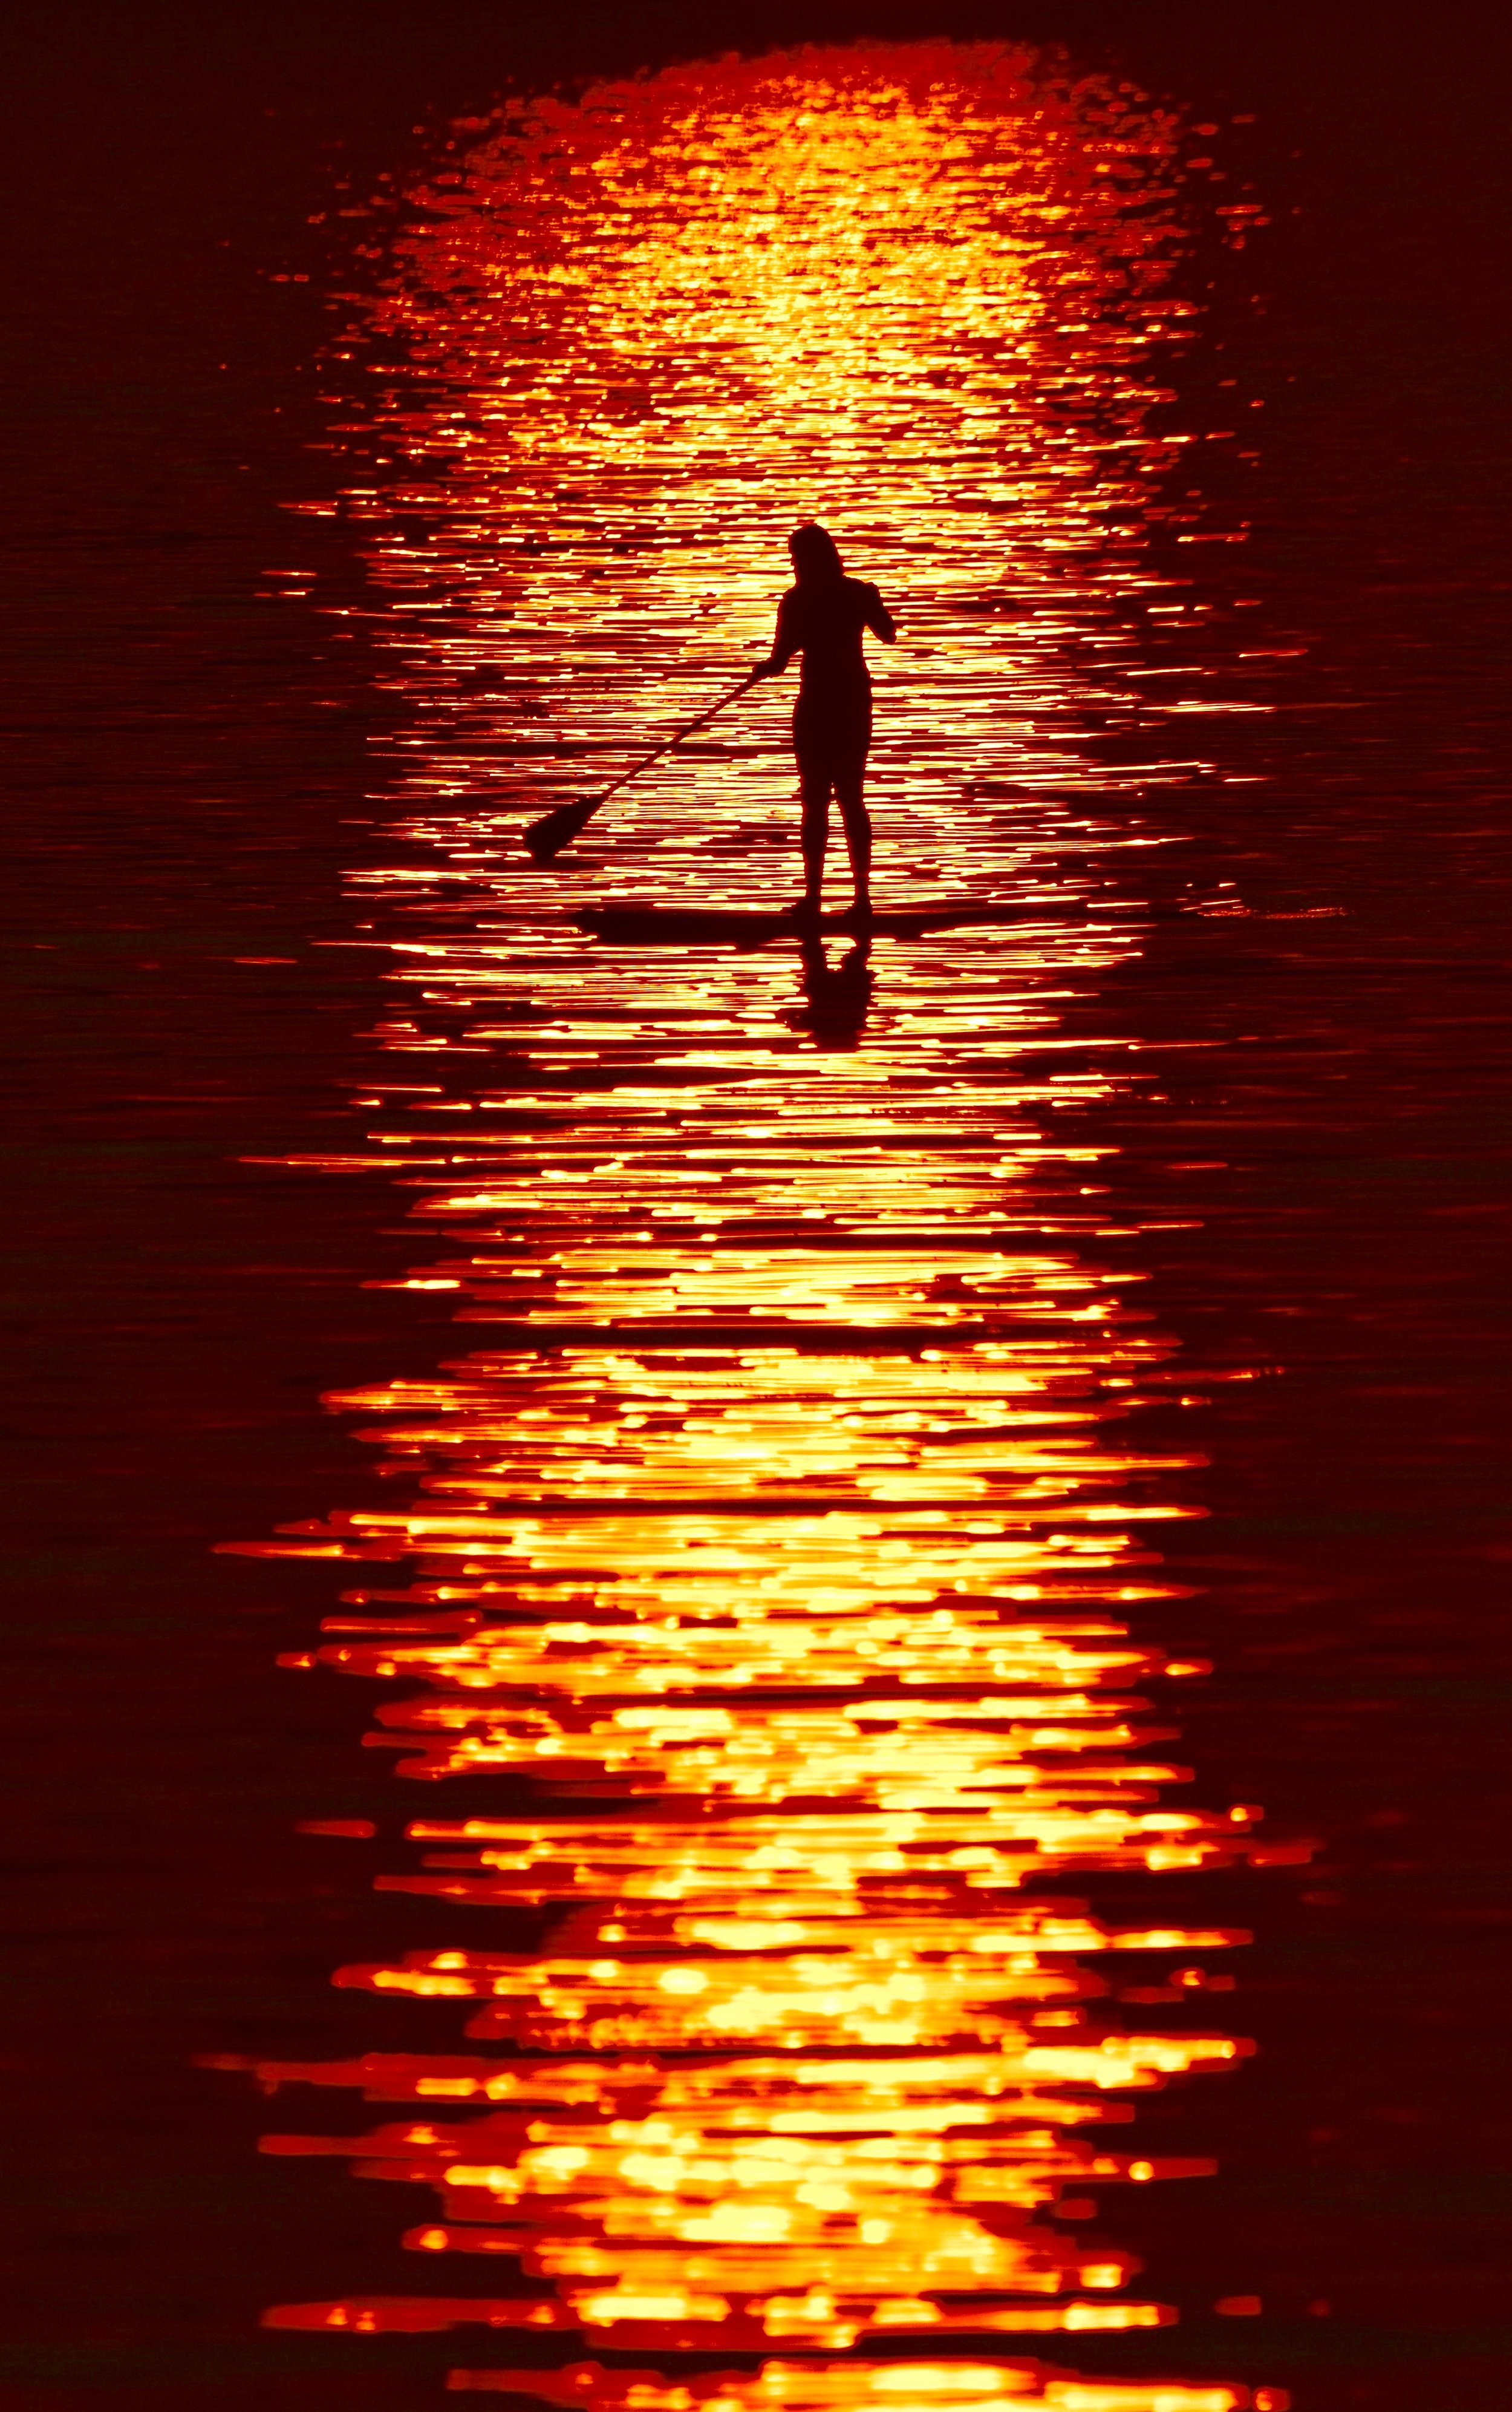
772,1556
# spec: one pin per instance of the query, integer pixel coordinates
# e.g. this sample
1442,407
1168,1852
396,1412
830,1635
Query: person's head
815,557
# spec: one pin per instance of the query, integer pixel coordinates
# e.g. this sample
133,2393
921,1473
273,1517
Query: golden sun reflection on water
772,1560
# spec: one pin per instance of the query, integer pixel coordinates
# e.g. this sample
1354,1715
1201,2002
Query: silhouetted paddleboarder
823,618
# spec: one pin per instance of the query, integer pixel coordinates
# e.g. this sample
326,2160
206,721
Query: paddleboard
672,925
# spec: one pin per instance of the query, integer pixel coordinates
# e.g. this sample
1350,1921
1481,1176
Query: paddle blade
547,837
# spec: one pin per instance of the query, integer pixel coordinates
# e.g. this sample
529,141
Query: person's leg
858,825
814,784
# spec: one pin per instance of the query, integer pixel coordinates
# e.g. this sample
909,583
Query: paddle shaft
546,838
676,739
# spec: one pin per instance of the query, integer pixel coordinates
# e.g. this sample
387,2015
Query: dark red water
967,1481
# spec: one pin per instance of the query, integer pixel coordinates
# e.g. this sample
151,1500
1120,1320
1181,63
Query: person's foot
805,913
860,916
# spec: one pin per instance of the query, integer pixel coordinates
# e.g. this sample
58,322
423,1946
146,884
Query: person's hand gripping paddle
545,839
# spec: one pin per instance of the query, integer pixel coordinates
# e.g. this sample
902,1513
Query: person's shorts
830,738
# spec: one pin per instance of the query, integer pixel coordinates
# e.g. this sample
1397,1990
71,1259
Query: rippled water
915,1516
772,1556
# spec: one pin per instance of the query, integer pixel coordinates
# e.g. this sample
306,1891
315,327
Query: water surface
918,1524
772,1564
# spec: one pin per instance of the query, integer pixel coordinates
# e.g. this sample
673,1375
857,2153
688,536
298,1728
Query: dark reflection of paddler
823,617
833,1011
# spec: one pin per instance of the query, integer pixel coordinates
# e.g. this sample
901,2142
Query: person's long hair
816,560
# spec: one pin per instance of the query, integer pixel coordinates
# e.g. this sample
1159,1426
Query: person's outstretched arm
784,644
879,619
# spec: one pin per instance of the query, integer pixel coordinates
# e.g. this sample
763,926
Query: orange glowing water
775,1552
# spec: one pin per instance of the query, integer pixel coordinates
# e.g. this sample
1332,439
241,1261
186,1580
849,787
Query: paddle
544,838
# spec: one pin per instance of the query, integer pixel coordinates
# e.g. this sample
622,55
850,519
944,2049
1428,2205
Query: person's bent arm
879,619
783,646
